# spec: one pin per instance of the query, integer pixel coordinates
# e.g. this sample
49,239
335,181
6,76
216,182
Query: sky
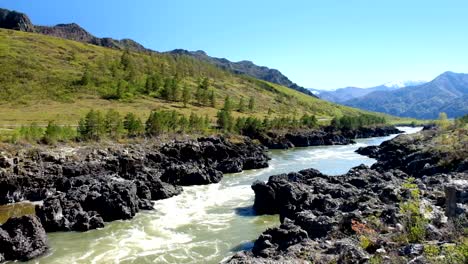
322,44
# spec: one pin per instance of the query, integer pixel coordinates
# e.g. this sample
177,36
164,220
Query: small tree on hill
186,95
133,125
251,104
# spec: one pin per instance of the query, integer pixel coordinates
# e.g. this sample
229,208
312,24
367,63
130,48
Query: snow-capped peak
401,84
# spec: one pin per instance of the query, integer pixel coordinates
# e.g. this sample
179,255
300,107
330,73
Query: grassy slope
38,76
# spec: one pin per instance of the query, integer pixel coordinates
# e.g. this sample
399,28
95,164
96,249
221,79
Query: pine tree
133,125
251,104
212,99
199,95
227,104
204,84
186,95
86,78
113,124
125,59
241,106
92,127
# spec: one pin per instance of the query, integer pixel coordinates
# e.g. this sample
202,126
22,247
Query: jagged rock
189,174
22,238
350,253
59,214
315,226
278,239
15,20
411,250
456,193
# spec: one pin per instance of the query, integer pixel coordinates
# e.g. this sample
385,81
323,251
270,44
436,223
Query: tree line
353,122
97,125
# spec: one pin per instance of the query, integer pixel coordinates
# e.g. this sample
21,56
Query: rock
411,250
230,166
5,162
22,238
59,214
350,253
162,190
189,174
265,199
456,193
278,239
315,226
370,151
433,233
418,260
145,204
114,200
14,20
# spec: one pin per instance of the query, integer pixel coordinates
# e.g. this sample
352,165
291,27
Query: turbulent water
205,224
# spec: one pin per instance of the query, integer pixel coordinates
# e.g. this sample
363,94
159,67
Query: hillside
19,21
446,93
247,68
46,78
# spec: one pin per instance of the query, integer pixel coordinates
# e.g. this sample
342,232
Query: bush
55,133
31,133
414,221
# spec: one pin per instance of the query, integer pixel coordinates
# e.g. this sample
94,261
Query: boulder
22,238
456,193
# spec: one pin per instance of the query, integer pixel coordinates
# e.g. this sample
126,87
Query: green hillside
46,78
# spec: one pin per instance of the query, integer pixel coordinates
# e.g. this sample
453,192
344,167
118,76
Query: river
205,224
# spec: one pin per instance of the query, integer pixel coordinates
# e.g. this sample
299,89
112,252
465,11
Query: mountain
247,68
344,94
19,21
446,93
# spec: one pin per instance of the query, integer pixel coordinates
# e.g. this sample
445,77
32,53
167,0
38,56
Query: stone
22,238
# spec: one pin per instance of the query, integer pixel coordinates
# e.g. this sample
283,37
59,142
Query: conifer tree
241,106
251,104
186,95
133,125
227,104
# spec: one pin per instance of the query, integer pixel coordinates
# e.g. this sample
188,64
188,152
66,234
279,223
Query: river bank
80,189
409,207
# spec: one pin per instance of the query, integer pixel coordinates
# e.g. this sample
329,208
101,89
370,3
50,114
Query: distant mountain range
446,93
344,94
247,68
19,21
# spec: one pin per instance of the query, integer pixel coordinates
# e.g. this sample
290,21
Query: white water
205,224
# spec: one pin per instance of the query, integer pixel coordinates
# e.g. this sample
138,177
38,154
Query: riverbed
205,224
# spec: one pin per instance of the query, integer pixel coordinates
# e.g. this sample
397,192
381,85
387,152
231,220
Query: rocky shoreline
407,208
83,187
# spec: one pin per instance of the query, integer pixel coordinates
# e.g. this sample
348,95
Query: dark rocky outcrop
324,217
83,187
15,20
415,155
22,238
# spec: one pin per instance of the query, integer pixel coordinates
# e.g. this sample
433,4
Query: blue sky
318,44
